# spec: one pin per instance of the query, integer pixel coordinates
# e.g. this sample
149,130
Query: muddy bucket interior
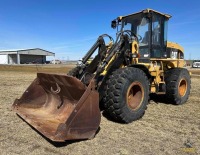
60,107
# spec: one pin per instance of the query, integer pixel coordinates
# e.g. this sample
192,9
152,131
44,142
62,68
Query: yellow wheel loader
118,76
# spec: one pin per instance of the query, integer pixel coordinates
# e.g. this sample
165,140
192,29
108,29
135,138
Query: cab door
157,38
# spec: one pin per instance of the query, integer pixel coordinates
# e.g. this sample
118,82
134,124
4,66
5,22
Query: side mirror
114,24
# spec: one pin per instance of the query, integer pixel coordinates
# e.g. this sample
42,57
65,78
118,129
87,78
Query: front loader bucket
60,107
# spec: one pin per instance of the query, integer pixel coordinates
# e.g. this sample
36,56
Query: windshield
138,25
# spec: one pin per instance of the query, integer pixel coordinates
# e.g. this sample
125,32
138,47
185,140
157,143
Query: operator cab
150,27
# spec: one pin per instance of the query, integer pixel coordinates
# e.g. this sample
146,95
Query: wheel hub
182,87
135,95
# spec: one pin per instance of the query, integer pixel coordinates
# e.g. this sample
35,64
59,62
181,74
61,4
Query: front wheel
74,72
126,94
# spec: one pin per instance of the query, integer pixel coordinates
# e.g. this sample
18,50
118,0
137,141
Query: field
164,129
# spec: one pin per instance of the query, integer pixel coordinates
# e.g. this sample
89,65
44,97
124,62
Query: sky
70,27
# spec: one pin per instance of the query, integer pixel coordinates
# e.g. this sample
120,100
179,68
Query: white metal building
24,56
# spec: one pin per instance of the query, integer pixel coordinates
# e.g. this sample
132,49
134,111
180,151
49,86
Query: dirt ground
164,129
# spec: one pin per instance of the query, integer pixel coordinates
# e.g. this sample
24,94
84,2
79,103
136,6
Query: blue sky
70,27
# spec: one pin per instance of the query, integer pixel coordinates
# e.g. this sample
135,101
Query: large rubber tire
74,72
126,94
178,85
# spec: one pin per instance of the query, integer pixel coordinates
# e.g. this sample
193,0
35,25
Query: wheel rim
182,87
135,95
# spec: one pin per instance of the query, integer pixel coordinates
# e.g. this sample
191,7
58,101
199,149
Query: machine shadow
161,98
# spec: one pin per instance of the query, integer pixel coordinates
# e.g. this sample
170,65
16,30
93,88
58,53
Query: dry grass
61,68
195,71
163,130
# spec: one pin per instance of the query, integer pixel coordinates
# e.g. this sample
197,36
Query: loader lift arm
120,49
122,53
84,71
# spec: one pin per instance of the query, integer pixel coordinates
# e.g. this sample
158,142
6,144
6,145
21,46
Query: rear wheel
126,94
178,85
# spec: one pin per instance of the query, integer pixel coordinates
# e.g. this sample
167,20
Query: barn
24,56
